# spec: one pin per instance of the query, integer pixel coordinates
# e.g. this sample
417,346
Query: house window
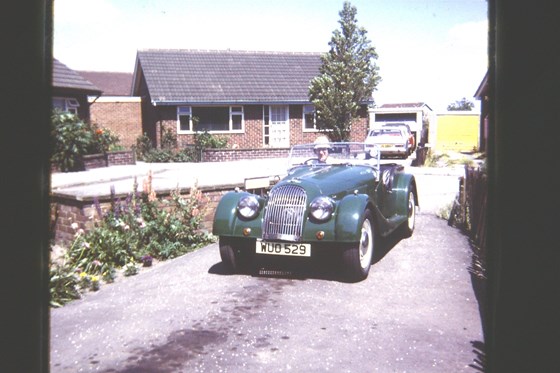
184,118
266,125
69,105
236,118
309,118
210,118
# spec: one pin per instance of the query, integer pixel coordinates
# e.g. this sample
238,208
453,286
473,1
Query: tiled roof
195,76
64,77
403,105
482,89
111,83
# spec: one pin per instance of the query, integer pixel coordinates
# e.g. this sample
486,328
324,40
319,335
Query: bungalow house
70,91
417,115
115,109
482,95
254,99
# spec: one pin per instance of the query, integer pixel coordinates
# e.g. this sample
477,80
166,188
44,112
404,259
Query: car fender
226,220
402,185
349,215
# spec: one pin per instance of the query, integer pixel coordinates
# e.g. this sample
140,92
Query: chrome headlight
321,208
248,206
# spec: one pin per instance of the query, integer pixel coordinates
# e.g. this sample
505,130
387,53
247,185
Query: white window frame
71,104
234,110
306,110
184,110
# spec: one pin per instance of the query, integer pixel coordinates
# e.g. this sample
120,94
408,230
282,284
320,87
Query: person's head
321,148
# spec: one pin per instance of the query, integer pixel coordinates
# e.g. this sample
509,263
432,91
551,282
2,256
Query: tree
462,104
348,76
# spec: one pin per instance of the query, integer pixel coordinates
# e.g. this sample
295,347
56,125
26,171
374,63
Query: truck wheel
357,258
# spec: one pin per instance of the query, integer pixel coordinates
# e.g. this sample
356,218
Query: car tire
410,223
358,257
236,255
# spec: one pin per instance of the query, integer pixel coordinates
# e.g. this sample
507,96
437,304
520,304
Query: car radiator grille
284,213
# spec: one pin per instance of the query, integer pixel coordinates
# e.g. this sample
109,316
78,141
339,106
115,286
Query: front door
277,126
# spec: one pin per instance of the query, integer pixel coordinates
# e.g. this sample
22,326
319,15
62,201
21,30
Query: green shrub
103,140
174,229
72,138
444,212
64,284
168,139
137,227
205,140
143,146
134,230
445,159
168,153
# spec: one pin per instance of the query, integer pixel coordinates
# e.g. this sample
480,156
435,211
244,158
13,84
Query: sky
431,51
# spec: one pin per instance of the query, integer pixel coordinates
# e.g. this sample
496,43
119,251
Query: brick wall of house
122,117
360,127
252,138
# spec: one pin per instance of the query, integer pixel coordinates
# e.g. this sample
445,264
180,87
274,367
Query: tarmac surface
418,311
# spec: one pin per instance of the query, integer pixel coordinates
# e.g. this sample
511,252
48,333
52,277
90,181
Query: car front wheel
236,254
409,224
357,258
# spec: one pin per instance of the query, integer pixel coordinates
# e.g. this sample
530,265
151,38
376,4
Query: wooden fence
470,215
476,191
473,201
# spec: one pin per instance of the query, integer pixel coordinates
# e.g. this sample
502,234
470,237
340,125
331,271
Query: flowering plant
147,260
130,269
103,140
136,230
85,280
94,283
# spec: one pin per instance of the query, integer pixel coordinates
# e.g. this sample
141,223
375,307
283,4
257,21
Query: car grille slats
284,213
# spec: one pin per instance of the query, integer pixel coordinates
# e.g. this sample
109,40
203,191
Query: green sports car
340,206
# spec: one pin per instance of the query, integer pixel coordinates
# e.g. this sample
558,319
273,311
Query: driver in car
321,149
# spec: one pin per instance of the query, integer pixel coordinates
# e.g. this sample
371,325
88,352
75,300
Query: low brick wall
123,157
66,210
224,155
117,158
91,161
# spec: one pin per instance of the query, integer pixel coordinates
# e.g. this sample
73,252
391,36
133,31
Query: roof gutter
238,102
95,99
218,103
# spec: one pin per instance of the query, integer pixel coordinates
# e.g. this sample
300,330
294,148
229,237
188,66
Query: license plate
283,248
386,145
